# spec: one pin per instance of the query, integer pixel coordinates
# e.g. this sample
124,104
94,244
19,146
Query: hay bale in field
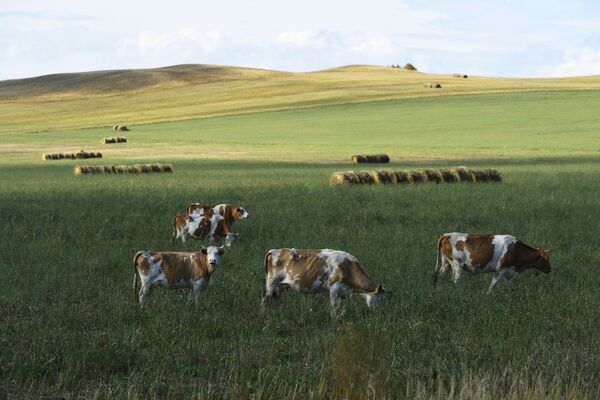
123,169
434,175
123,128
387,177
146,168
433,85
460,76
458,174
110,140
409,67
464,175
167,168
155,167
403,177
371,158
115,127
449,176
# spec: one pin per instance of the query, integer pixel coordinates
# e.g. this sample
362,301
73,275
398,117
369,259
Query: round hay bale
123,128
167,168
120,139
359,158
449,176
493,175
403,177
433,175
365,177
418,176
464,175
433,85
338,178
378,158
78,170
387,177
376,177
138,168
44,156
107,169
155,167
115,127
409,67
119,169
146,168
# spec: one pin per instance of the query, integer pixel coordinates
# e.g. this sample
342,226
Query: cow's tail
174,237
135,274
268,258
438,261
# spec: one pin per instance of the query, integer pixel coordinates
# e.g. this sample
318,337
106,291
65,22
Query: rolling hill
102,98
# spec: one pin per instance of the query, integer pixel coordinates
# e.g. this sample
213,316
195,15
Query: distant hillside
104,98
123,81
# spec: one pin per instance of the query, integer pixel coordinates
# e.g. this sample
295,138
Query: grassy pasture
69,323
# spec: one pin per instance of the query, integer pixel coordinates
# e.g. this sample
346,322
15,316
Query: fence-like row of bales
122,169
81,154
443,175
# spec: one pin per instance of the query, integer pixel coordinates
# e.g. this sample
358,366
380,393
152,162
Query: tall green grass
69,323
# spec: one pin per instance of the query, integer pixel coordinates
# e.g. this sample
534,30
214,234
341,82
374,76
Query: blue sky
495,38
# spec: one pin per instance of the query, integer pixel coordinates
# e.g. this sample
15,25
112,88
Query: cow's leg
335,297
145,292
456,272
199,287
495,281
271,290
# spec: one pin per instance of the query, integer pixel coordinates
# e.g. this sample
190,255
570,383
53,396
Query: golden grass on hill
119,139
122,169
81,154
371,158
458,174
95,99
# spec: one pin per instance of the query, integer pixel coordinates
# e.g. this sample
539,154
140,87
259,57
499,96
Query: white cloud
384,46
576,62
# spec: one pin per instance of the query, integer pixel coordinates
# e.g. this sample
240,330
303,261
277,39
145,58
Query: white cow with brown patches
504,255
175,270
199,225
318,270
227,211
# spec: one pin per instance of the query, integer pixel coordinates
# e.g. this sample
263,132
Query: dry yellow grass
82,100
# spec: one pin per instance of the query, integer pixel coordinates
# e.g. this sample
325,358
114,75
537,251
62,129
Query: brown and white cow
227,211
322,270
504,255
201,225
175,270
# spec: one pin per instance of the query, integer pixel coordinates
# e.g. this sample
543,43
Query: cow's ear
221,250
203,251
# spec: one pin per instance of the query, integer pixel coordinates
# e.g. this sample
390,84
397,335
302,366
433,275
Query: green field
69,324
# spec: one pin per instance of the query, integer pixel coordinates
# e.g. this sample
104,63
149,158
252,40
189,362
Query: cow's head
230,238
542,262
373,298
240,212
213,255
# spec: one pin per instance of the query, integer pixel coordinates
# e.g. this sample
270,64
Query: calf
505,255
175,270
200,225
310,271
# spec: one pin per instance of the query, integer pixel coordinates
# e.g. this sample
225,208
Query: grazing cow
505,255
229,212
175,270
199,225
310,271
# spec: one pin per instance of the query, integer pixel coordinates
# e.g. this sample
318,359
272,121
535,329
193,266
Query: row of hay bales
370,158
71,156
119,139
433,85
460,76
444,175
121,128
122,169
